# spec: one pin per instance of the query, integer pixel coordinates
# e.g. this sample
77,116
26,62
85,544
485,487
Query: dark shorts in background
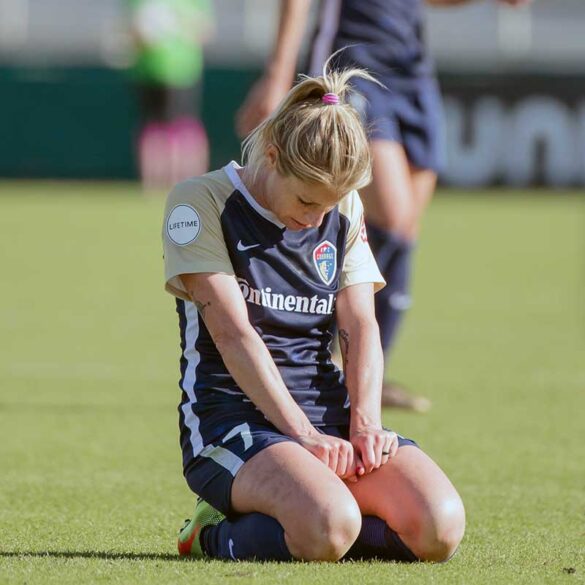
408,111
160,103
212,473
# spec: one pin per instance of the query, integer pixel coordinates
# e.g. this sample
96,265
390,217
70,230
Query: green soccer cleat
189,543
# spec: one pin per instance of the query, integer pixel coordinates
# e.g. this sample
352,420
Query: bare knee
411,232
393,212
441,531
397,220
327,532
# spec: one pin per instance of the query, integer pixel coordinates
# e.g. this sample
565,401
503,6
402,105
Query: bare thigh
320,517
389,200
424,182
416,499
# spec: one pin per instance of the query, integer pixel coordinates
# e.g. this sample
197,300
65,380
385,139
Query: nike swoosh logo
242,248
231,547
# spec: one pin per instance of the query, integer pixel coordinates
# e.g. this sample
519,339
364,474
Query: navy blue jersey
384,36
289,280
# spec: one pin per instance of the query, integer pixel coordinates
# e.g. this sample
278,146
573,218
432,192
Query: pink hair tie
330,99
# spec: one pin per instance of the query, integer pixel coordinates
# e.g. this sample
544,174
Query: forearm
252,367
221,305
363,365
291,27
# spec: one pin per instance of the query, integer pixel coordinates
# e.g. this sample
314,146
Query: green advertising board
82,123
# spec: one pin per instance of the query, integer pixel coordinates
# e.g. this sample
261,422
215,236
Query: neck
255,185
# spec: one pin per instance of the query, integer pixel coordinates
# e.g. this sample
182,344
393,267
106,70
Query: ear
271,154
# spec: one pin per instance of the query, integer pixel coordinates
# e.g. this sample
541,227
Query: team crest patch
325,260
183,224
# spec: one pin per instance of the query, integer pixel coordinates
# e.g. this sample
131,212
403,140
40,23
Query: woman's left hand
374,446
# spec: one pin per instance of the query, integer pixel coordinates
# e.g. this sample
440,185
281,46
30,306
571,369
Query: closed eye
307,203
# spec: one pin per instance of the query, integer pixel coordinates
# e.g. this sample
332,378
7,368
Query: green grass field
91,489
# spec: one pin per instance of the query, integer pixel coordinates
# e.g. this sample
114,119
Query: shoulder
196,204
351,207
213,189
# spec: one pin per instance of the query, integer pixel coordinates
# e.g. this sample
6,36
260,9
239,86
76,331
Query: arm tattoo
344,343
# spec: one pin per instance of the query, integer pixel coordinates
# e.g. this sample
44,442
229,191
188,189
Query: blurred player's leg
418,505
189,145
424,182
388,201
391,210
189,149
154,139
153,154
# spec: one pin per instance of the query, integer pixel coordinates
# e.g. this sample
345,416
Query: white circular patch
183,225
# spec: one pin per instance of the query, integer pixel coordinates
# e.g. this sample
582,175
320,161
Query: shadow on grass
107,556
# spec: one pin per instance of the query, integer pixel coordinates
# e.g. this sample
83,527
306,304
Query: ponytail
318,134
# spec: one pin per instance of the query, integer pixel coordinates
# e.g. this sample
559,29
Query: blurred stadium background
514,82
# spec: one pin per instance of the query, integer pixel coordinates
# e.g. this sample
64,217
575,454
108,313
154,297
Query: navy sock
377,540
393,255
383,244
251,536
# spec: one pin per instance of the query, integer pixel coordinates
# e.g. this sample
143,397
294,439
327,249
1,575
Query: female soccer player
404,118
262,260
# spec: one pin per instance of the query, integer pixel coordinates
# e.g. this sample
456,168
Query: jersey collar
231,171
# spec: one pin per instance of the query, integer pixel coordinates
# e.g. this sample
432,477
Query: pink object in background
154,156
189,149
172,152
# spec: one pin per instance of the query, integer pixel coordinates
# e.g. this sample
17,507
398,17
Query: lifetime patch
183,225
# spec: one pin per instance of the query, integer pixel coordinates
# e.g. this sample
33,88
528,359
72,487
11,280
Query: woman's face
296,204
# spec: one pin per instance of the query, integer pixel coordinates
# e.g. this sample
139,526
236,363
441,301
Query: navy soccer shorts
211,474
408,111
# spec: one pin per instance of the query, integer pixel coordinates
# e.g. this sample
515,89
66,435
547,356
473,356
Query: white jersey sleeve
193,241
359,265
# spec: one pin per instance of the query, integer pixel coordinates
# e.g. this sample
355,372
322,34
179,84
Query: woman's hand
335,453
374,446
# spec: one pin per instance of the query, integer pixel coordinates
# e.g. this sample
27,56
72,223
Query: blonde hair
316,142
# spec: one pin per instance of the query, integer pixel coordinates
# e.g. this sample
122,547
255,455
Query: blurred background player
405,121
168,37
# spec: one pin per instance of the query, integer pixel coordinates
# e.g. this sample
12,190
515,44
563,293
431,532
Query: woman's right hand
337,454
